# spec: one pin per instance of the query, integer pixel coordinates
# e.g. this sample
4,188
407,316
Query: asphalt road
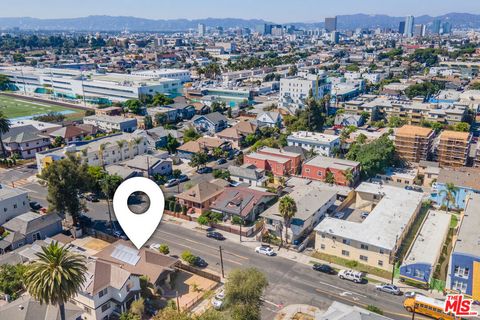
290,282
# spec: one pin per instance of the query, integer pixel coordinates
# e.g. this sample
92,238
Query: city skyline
282,12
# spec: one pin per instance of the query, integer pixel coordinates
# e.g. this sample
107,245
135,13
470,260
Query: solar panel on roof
125,254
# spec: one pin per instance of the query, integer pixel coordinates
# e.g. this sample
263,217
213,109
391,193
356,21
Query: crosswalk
19,183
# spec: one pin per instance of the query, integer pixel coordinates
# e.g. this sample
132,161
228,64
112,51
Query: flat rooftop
313,136
449,134
261,156
327,162
385,222
468,241
412,131
429,241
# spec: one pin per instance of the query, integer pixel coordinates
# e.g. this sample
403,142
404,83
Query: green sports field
15,107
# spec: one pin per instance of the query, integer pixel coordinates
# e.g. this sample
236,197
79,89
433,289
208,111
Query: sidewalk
299,257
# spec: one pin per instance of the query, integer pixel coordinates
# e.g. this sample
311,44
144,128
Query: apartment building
100,152
343,172
13,202
453,148
413,143
25,141
294,91
279,162
321,143
375,240
112,123
464,265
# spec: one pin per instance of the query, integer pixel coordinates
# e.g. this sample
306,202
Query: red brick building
279,162
318,168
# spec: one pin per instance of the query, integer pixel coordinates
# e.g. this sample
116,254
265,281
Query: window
319,173
15,206
381,251
103,292
106,306
87,310
363,258
345,253
346,241
364,246
322,246
380,263
37,236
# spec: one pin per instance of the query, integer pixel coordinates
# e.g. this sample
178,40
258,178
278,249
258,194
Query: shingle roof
102,274
30,222
201,192
26,308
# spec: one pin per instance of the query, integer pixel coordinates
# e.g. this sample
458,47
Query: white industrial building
75,84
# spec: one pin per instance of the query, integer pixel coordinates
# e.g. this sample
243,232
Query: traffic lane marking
203,244
364,305
207,253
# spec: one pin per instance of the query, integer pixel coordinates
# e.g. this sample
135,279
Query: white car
217,303
355,276
364,214
268,251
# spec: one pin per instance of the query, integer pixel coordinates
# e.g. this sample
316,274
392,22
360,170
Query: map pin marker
138,227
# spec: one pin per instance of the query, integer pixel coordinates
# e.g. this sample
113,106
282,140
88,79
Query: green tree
147,120
11,279
172,144
244,289
66,179
395,122
199,159
129,316
164,249
121,144
288,209
56,277
450,194
4,128
189,257
473,86
374,157
134,106
58,142
202,220
330,177
462,127
4,82
138,307
190,135
349,176
109,185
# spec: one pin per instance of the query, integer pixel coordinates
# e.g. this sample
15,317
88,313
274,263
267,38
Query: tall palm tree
121,144
349,177
137,142
56,276
450,193
4,128
101,150
288,209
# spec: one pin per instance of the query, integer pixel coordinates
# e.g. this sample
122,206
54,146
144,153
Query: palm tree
287,208
101,150
4,128
349,177
450,193
121,144
137,142
56,276
330,177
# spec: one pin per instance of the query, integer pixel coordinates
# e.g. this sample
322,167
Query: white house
112,123
109,289
13,202
321,143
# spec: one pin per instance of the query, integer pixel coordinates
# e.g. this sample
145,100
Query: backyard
16,107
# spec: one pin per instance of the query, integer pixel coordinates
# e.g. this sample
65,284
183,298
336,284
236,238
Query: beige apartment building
374,240
453,148
413,143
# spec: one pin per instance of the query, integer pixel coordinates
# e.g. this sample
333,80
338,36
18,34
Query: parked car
171,183
91,197
355,276
201,263
218,301
413,188
411,294
325,268
215,235
266,250
35,205
204,170
154,246
183,178
364,214
389,288
339,215
221,161
119,234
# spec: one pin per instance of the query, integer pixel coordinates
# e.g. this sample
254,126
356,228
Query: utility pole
221,261
413,313
178,302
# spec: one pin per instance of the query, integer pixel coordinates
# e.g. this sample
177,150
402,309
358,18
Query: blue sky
272,10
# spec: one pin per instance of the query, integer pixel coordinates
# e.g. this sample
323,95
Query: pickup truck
355,276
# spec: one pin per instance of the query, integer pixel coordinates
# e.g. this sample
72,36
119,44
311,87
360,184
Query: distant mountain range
111,23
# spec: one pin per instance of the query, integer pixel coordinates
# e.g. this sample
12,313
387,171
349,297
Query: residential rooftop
468,240
313,137
412,131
